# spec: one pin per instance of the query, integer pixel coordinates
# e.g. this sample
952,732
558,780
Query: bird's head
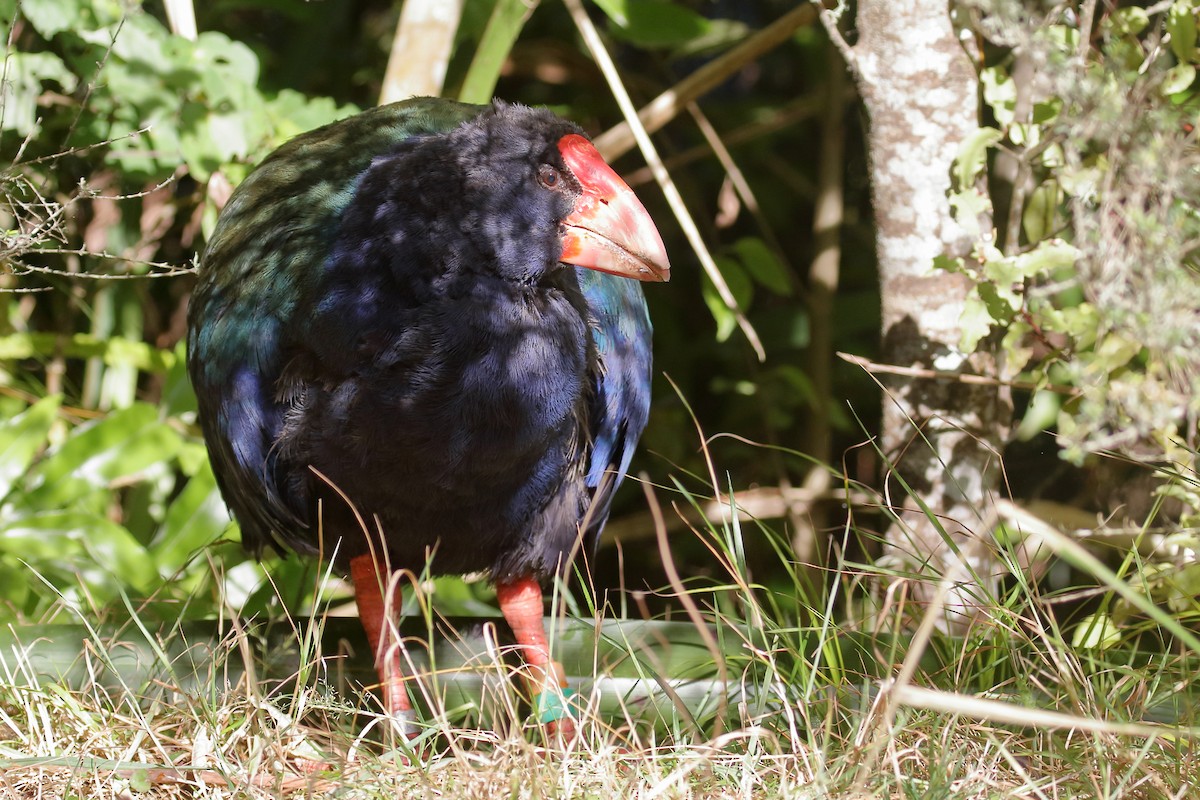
540,195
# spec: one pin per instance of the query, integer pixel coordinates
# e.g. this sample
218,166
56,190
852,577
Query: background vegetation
121,141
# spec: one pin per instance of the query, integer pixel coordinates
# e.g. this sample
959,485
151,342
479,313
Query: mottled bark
942,436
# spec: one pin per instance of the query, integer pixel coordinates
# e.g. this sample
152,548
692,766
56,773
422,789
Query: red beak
609,229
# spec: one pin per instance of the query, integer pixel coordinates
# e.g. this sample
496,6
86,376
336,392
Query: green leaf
114,352
972,155
1129,21
742,289
976,322
1181,24
1000,93
1045,259
1179,78
136,38
503,27
762,265
49,17
292,113
969,206
22,437
1041,211
1046,110
1043,410
1096,632
216,53
1084,181
119,446
195,518
24,79
663,24
92,546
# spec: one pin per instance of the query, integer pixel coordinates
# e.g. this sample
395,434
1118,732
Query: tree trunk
941,436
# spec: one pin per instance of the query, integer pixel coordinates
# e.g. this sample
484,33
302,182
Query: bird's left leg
521,603
379,609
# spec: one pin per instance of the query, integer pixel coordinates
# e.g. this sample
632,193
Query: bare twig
742,187
658,112
1087,13
169,270
748,505
785,116
830,22
875,368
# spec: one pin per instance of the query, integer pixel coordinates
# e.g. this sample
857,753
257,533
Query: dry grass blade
681,594
1000,712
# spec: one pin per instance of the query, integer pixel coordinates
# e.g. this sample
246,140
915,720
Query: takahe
416,344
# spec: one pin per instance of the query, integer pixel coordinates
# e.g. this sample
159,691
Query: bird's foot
557,709
563,730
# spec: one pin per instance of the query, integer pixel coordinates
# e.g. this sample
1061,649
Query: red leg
379,615
521,603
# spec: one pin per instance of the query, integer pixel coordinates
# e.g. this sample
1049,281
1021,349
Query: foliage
1093,284
104,494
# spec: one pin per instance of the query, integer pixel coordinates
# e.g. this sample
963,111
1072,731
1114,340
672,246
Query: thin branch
168,270
875,368
742,186
1086,15
783,117
620,139
830,20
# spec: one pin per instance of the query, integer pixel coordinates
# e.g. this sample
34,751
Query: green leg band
553,705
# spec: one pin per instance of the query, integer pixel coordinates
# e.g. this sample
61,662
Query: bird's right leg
521,603
378,599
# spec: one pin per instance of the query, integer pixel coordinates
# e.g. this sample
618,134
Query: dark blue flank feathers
381,302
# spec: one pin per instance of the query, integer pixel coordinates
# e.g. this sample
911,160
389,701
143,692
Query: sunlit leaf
98,549
120,445
196,517
972,155
739,284
1181,24
1178,79
1096,632
115,351
49,17
22,437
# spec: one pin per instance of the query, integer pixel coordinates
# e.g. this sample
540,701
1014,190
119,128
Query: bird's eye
548,176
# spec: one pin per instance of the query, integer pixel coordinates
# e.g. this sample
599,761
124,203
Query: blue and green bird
419,341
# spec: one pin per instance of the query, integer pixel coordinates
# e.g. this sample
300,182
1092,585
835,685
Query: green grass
850,691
